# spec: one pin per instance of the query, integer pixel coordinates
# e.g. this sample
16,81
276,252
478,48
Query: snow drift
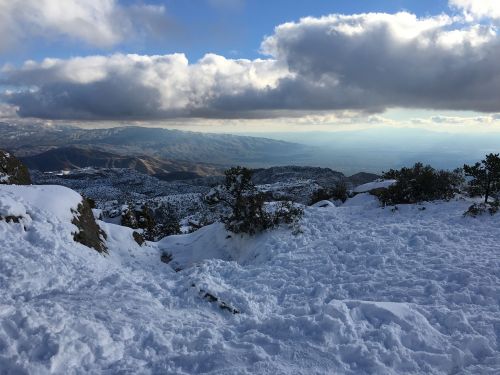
361,290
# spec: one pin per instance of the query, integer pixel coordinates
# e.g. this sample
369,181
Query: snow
54,200
363,200
323,204
362,290
4,178
378,184
9,206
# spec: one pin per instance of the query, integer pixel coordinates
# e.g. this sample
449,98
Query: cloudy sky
253,64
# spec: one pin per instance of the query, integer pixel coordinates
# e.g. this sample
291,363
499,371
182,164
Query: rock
12,171
11,219
213,299
89,233
166,258
138,238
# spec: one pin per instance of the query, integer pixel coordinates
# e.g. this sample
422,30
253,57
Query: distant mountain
323,176
222,149
67,158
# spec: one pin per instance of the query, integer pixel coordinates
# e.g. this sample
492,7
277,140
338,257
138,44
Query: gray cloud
7,111
367,63
113,98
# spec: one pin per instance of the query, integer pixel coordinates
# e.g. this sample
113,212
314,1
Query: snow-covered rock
375,185
63,208
323,204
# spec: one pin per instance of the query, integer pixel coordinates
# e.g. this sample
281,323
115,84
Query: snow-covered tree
244,205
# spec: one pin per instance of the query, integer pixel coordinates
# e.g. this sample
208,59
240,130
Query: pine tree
420,183
485,176
244,204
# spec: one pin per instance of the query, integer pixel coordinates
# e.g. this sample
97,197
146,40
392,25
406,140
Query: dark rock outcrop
89,233
11,219
12,171
138,238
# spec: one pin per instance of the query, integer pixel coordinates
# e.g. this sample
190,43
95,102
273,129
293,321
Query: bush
420,183
480,208
244,210
340,191
166,222
155,223
286,212
485,175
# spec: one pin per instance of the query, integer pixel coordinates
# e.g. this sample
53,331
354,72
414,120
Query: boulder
12,171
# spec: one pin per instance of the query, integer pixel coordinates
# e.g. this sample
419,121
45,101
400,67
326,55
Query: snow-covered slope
362,290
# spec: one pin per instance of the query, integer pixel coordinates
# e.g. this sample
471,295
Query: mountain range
68,158
223,149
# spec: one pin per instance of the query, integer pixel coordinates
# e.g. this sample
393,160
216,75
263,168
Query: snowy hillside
362,290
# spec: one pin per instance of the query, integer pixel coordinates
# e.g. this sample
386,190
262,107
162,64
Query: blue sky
227,27
235,65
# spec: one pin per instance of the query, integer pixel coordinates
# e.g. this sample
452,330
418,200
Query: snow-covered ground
362,290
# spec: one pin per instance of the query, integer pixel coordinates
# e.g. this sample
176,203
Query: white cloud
477,9
100,23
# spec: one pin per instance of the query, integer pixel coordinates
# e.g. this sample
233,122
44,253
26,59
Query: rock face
12,171
89,234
